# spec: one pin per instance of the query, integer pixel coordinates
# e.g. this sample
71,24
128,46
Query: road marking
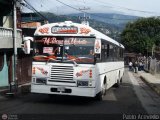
146,99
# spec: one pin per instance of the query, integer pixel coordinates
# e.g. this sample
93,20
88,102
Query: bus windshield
64,49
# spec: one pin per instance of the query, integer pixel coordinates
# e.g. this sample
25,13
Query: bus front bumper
64,90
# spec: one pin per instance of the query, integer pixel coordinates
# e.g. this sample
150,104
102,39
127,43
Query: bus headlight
41,80
82,83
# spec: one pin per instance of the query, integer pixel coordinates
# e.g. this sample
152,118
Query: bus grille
61,74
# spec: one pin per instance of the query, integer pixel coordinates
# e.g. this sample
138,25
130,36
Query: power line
42,16
33,9
42,4
129,9
87,12
69,6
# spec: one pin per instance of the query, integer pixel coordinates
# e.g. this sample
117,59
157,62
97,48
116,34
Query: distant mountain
111,18
110,24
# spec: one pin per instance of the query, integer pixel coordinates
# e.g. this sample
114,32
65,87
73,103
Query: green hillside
109,29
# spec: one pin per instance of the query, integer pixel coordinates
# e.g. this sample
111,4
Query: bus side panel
110,71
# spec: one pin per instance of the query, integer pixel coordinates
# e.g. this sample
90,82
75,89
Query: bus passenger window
107,50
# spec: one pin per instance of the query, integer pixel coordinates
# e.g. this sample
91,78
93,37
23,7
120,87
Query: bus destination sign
64,30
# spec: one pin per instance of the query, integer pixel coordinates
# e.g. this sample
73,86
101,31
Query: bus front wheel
117,85
119,81
101,94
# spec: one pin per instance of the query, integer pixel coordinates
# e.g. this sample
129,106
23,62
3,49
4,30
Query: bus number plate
61,89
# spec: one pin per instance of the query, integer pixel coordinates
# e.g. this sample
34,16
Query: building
6,43
130,57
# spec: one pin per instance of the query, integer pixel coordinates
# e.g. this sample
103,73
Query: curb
151,85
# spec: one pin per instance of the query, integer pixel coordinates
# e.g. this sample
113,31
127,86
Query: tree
141,35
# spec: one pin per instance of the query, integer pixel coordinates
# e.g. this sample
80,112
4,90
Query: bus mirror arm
95,60
26,47
97,57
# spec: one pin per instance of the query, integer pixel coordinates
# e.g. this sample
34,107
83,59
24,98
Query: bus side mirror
26,47
97,57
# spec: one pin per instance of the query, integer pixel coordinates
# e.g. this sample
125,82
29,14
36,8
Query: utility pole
84,18
13,83
14,43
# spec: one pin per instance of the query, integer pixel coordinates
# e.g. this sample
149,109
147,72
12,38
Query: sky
144,8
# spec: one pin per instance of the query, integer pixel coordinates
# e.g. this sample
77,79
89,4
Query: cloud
109,6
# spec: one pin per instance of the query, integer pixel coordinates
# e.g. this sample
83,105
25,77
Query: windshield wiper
40,57
51,59
73,62
44,57
72,58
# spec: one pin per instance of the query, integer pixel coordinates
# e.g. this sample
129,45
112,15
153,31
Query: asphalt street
133,97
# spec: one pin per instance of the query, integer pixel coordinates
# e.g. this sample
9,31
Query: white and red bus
74,59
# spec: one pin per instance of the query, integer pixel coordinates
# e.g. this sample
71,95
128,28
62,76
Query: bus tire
117,85
101,94
121,80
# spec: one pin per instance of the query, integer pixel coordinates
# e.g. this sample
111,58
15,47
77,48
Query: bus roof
69,28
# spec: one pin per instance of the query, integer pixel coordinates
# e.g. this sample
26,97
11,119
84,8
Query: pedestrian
140,65
135,65
130,66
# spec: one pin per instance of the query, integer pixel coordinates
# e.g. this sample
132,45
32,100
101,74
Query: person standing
130,66
135,65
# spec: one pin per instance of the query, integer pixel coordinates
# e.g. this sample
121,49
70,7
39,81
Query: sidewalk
22,89
152,80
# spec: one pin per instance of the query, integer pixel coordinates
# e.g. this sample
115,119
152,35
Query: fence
152,66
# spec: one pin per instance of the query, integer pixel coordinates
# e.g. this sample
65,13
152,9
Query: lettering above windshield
68,41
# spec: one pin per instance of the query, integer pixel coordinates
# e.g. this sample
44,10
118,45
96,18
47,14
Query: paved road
133,97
